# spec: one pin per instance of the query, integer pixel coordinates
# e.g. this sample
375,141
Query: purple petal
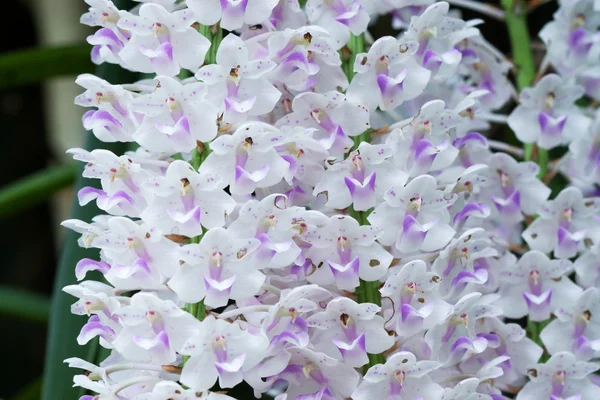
478,210
355,353
95,328
539,306
88,193
87,264
471,137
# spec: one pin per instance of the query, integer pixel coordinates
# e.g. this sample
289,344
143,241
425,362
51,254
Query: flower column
516,22
213,33
367,292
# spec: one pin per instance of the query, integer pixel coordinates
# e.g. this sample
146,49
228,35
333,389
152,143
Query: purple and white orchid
320,213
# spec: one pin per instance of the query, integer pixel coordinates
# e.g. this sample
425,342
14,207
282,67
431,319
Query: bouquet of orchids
310,212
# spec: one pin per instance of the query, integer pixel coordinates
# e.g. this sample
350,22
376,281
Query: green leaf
36,188
24,304
30,392
64,327
38,64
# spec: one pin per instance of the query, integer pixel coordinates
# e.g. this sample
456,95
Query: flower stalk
356,45
215,35
516,23
367,292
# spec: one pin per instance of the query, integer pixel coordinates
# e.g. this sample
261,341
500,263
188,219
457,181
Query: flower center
216,259
534,276
185,186
462,319
345,320
579,21
549,101
416,203
400,376
152,316
409,288
567,214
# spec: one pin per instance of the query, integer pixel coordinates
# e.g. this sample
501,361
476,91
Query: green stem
542,160
363,137
215,35
516,22
36,188
199,154
355,46
367,292
533,328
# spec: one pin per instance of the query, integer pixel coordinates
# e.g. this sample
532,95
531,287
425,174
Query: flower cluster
318,215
